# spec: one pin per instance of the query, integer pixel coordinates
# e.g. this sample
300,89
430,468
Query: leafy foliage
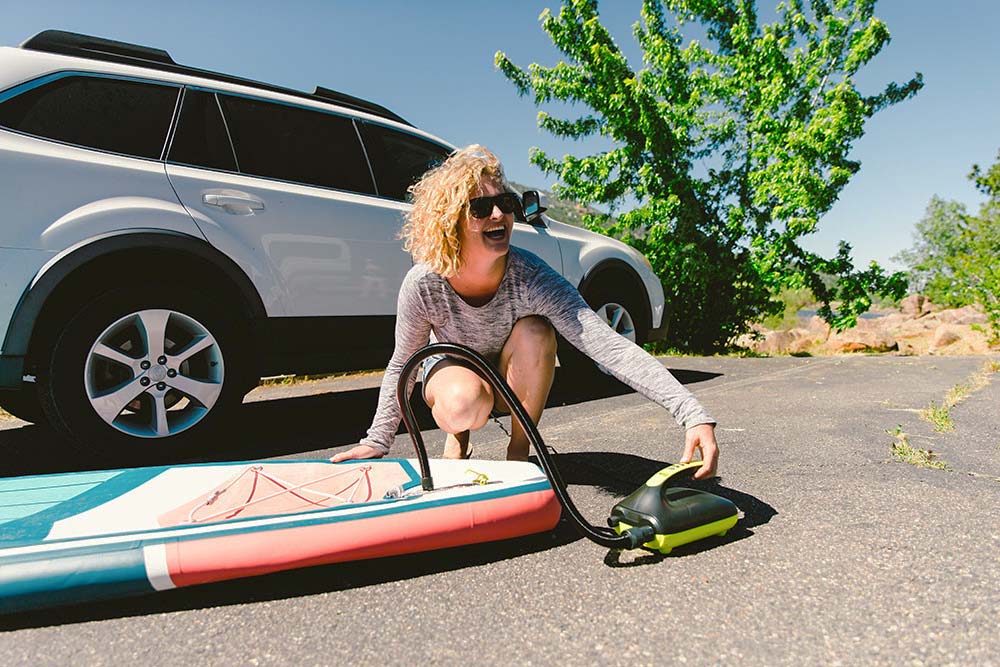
938,241
954,257
732,147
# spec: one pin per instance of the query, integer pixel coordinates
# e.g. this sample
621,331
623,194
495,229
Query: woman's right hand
358,452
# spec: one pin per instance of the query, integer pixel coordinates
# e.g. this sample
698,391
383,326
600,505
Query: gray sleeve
552,296
413,330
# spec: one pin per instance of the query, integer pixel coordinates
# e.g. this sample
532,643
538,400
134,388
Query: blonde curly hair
441,202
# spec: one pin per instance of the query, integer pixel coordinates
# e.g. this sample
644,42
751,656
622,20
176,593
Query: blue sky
432,62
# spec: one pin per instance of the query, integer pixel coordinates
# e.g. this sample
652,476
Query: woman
470,286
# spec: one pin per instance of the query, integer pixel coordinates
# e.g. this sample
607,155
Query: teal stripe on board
73,578
25,496
35,526
20,484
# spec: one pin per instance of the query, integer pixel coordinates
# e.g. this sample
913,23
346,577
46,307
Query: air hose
606,537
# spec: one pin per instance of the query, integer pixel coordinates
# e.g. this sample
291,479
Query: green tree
938,241
954,256
731,146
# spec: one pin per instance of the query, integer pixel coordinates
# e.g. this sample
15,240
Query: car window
127,117
399,159
200,138
295,144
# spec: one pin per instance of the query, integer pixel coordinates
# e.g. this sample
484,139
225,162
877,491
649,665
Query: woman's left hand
702,438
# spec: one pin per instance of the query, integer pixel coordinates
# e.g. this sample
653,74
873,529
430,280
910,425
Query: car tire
145,374
23,403
616,303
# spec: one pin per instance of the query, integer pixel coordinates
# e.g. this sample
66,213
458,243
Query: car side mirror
533,208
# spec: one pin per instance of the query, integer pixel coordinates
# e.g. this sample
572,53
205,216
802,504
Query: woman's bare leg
460,401
528,363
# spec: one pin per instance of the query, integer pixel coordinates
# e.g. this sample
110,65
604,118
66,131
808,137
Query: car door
287,192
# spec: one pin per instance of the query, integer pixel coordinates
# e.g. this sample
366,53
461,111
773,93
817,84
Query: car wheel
23,403
141,374
617,304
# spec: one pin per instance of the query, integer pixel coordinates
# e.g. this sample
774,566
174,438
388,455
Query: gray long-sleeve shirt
428,303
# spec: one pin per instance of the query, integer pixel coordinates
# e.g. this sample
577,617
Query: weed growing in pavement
907,453
939,415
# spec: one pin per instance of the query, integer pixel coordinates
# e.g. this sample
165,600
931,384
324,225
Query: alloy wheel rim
154,373
618,318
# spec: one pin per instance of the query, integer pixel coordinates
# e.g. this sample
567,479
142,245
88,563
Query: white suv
170,235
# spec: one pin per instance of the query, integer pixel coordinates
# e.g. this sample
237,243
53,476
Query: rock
817,327
945,335
776,342
805,342
963,315
912,305
891,321
854,340
911,327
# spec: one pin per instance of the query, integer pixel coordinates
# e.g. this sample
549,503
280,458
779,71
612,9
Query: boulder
817,327
891,321
963,315
776,342
912,305
855,340
945,335
911,327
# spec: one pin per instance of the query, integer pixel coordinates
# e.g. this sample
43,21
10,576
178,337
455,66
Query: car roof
98,48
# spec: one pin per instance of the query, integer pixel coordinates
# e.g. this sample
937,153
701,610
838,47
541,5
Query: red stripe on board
249,554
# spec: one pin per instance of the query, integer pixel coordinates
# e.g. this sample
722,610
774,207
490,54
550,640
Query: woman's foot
518,451
457,446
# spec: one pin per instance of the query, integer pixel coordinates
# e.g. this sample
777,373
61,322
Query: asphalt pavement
843,556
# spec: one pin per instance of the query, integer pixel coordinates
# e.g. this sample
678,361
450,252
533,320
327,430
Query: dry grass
907,453
940,415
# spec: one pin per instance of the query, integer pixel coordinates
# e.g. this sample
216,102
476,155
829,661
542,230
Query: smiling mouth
495,233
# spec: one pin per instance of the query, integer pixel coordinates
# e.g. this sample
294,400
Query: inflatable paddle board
81,536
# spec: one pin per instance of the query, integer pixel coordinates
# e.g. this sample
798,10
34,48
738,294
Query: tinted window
399,159
200,138
295,144
118,116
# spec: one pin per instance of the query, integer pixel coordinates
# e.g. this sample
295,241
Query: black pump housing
670,509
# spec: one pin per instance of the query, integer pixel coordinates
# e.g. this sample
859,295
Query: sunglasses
482,207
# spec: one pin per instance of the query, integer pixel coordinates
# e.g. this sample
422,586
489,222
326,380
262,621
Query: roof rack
109,50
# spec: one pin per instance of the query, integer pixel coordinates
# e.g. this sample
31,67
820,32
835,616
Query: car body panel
583,251
18,267
329,252
56,195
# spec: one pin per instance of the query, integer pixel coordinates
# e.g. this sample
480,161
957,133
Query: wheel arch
77,272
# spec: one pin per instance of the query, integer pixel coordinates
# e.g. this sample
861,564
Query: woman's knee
461,405
534,332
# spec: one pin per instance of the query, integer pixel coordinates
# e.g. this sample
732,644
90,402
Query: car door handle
233,201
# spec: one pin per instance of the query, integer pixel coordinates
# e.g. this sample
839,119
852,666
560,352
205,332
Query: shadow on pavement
281,427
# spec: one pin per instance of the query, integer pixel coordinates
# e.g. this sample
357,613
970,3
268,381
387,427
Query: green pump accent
663,476
665,543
